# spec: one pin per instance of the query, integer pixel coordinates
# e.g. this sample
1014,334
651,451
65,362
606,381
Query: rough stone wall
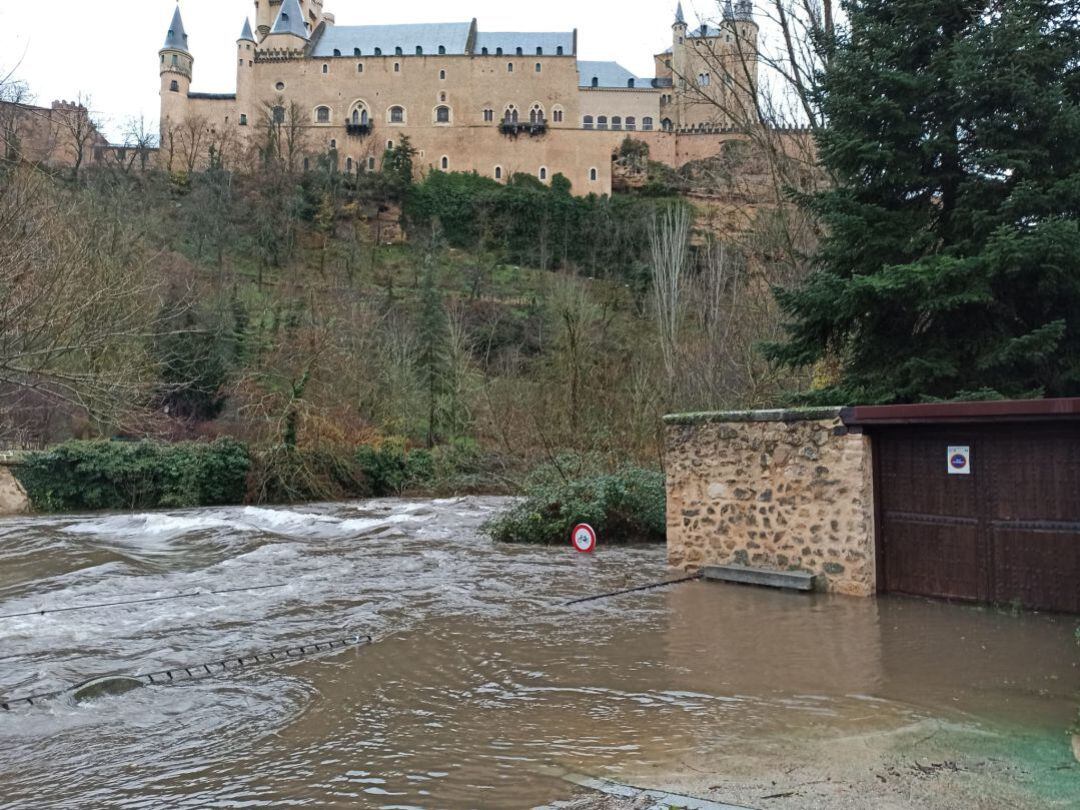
13,500
789,491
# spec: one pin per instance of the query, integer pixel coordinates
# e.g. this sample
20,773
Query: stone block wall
781,490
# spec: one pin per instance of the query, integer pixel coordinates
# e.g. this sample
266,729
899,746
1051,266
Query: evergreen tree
433,335
951,265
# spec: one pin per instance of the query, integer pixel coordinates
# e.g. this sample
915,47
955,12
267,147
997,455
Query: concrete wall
789,490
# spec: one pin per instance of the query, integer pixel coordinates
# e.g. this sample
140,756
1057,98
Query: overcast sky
53,38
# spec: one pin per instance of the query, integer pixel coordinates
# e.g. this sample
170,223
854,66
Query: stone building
62,135
496,103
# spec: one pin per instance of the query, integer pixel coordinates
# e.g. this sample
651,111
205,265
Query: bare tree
285,134
14,98
76,131
669,241
140,140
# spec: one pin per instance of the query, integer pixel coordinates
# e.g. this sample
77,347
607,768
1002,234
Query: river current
482,687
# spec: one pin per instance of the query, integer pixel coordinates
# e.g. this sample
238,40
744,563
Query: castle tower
680,67
175,70
290,30
245,75
267,13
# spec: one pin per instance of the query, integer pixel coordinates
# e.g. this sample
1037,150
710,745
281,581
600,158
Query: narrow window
442,98
348,165
307,161
498,172
325,69
175,59
371,164
592,175
359,67
543,173
442,75
559,50
174,87
397,67
445,163
389,144
489,115
595,81
509,67
333,143
243,119
539,67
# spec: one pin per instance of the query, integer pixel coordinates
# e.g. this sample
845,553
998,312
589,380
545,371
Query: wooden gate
1008,532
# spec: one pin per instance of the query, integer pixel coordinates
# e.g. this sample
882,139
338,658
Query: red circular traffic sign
584,538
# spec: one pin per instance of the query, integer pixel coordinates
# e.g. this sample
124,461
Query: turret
245,73
268,12
175,70
744,10
290,30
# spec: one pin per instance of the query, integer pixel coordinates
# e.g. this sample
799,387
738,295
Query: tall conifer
951,265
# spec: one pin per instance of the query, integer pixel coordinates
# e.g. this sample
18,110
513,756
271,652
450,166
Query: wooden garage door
1007,533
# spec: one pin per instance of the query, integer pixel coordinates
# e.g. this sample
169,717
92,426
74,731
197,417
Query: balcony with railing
358,130
533,128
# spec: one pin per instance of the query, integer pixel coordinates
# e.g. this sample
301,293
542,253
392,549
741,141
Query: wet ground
484,690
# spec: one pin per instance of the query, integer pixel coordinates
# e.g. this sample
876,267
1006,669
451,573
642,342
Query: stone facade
13,500
789,491
455,91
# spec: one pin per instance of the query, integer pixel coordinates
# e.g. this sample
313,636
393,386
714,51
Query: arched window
484,51
631,122
601,122
378,51
398,51
498,172
489,115
539,51
511,115
325,69
442,50
322,115
445,162
442,75
371,164
397,67
355,51
337,52
539,67
359,115
279,115
543,173
348,165
616,122
667,125
559,50
536,114
557,115
174,87
509,67
587,122
592,175
595,81
397,115
520,51
630,83
442,114
498,52
442,97
646,124
389,144
419,50
333,143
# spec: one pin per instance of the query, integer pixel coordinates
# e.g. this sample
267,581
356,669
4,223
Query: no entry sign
584,538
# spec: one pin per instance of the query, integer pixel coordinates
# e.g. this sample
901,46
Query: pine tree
433,334
951,265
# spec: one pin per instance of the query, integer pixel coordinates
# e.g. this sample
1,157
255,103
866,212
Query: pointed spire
680,18
176,39
246,35
290,20
729,12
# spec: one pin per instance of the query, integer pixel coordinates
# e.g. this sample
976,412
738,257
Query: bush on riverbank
627,506
91,475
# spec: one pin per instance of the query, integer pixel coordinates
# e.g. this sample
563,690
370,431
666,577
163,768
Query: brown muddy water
481,686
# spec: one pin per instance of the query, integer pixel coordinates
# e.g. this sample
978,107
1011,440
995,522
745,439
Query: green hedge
82,475
627,506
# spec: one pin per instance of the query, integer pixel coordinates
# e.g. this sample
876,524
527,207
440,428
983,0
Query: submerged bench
788,580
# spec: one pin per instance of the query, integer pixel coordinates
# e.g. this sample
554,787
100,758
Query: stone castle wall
788,491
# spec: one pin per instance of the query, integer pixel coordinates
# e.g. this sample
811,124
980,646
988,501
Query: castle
494,103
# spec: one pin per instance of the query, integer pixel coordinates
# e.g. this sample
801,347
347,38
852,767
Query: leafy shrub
81,475
627,506
391,468
287,474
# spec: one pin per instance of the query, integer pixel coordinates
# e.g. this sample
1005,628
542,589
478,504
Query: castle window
536,114
397,67
355,51
333,143
325,69
511,115
307,164
174,87
175,59
630,83
647,124
616,122
398,51
520,51
539,51
539,67
442,75
442,98
666,125
322,115
559,50
445,163
389,144
360,116
397,115
348,165
587,122
489,115
243,119
484,51
631,122
419,50
442,115
279,86
498,52
509,67
557,116
595,81
543,173
498,172
359,67
592,175
279,115
442,50
371,164
601,122
337,52
378,51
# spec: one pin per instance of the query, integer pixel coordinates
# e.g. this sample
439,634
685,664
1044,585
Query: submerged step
788,580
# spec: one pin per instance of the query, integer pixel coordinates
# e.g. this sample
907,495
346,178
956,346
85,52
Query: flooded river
481,687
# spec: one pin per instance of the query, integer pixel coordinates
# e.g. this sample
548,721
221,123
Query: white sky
47,42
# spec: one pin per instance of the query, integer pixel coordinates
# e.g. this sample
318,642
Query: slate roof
176,38
347,38
290,20
548,42
246,34
608,74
